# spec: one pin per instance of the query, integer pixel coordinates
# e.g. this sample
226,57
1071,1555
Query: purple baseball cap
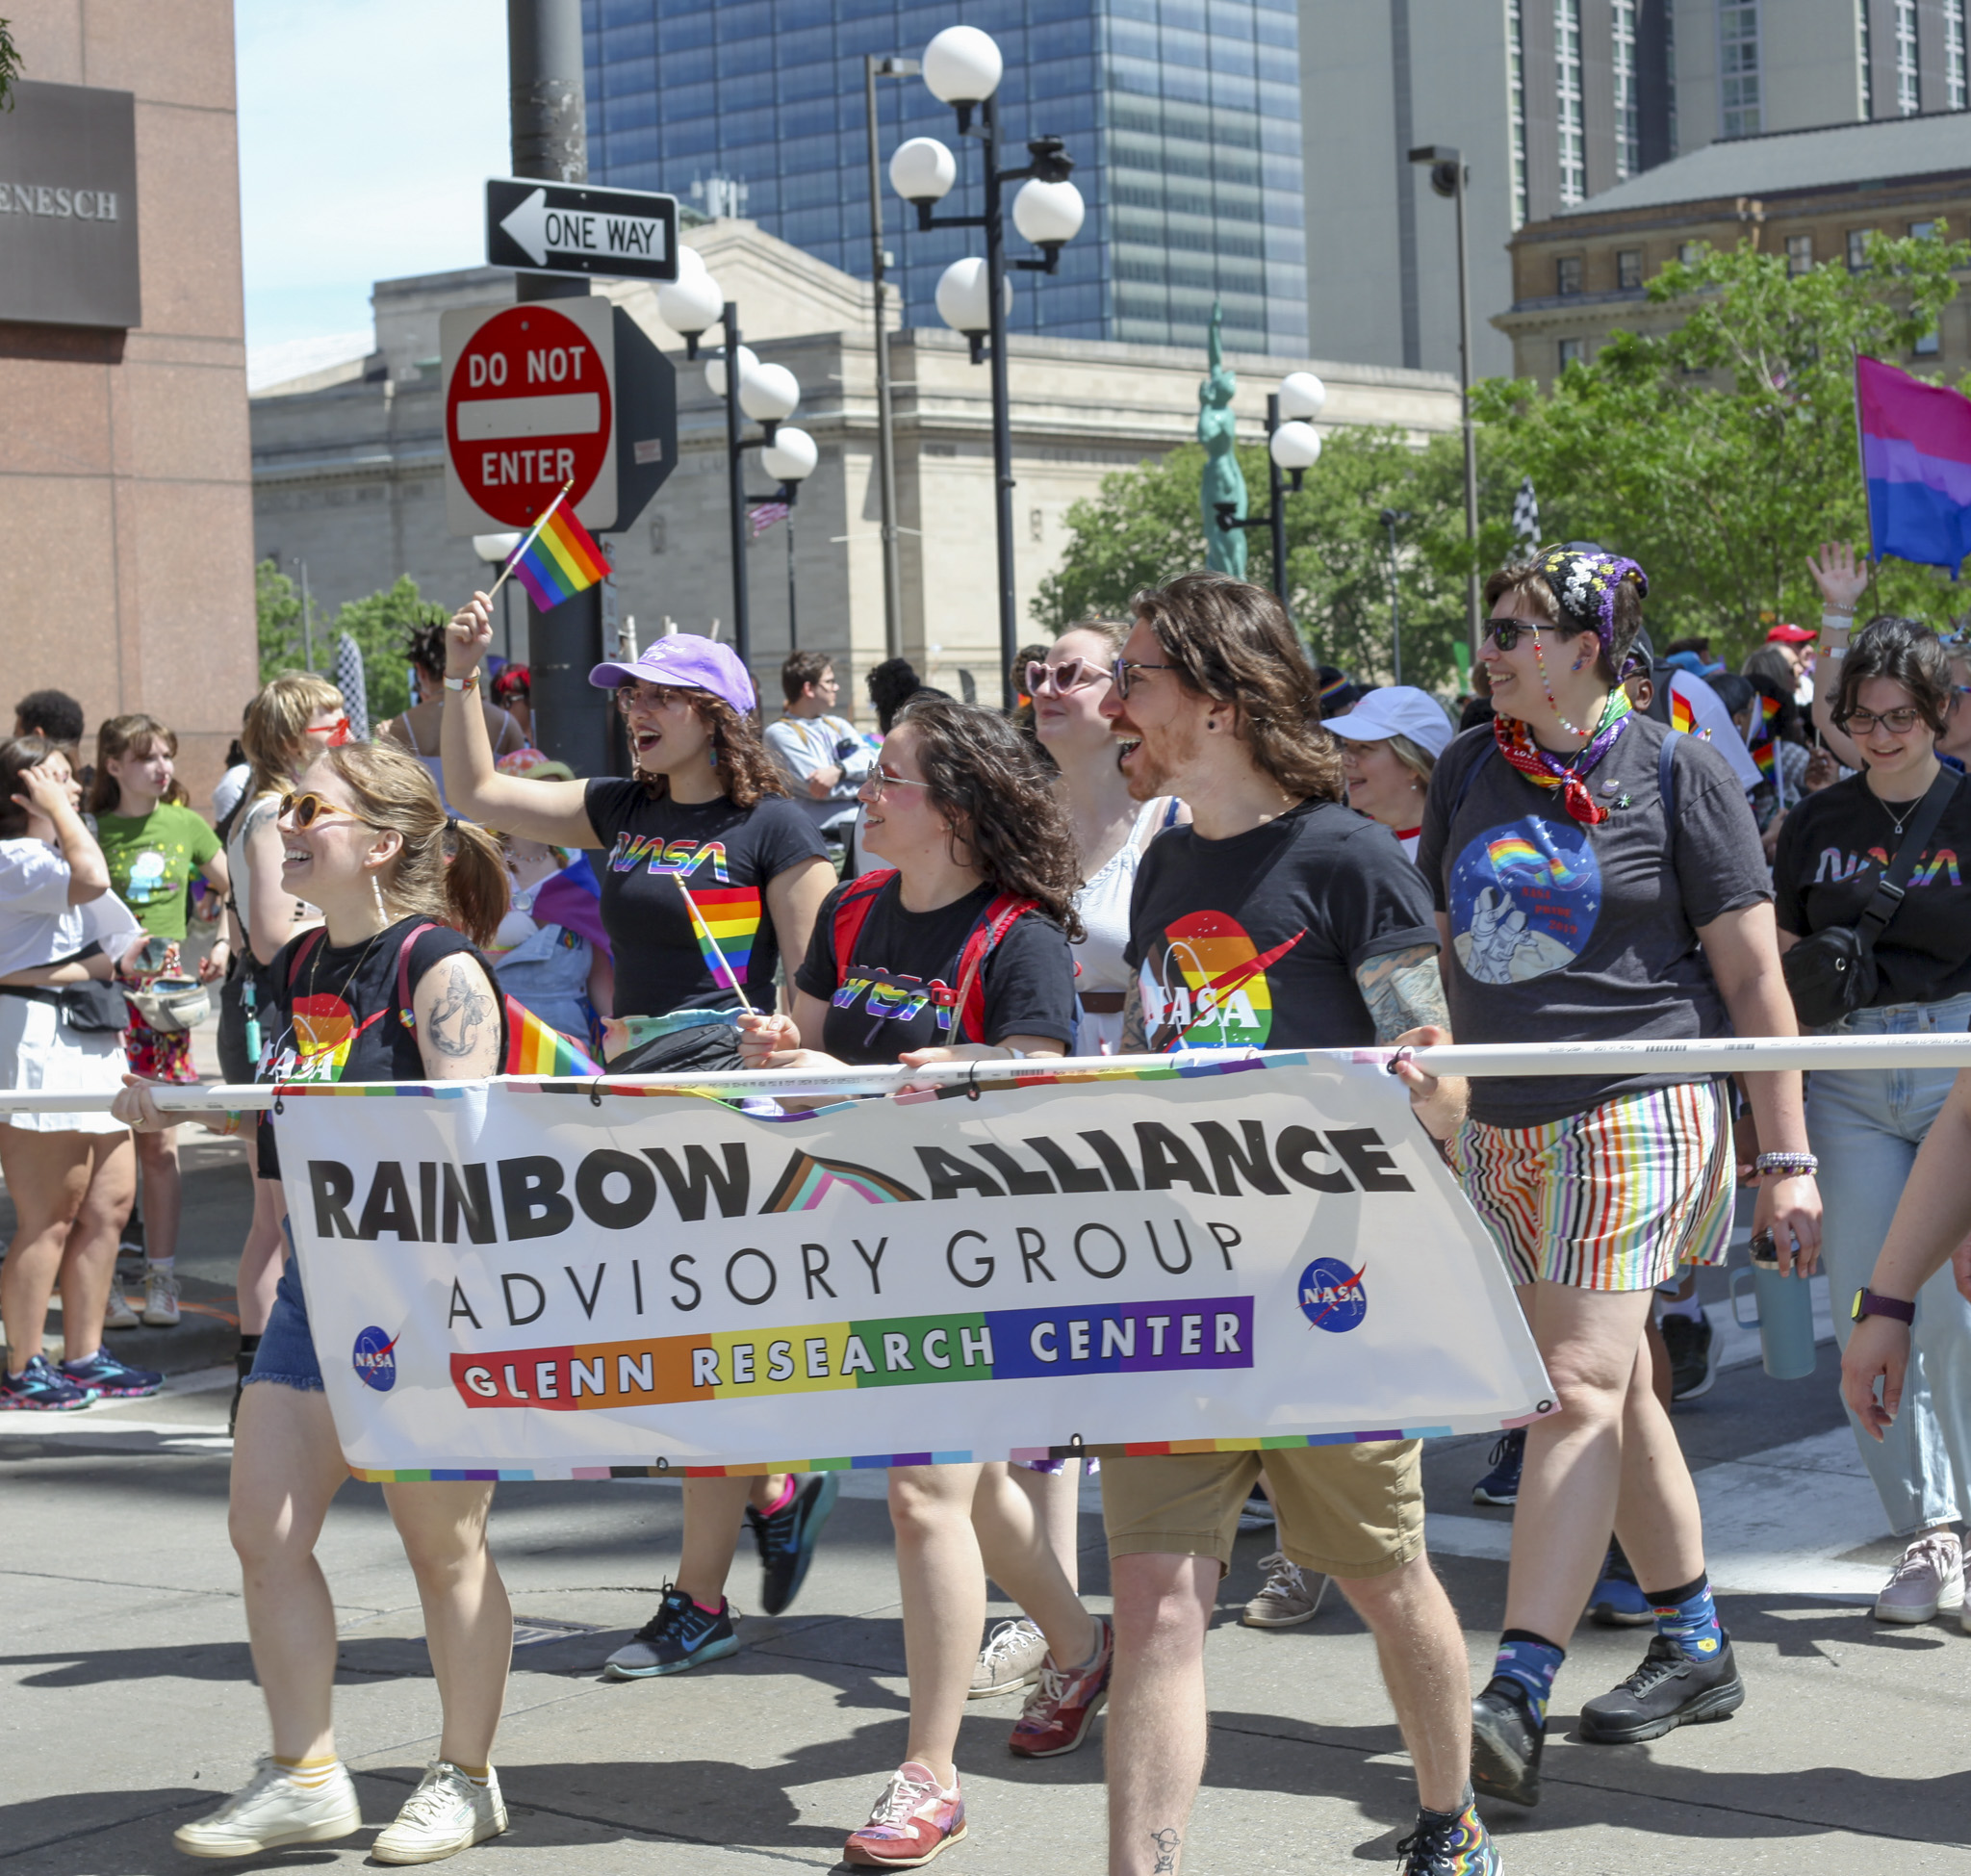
688,661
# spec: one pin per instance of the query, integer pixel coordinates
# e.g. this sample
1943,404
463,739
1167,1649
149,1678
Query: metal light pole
1450,177
1293,446
1389,518
873,69
548,99
962,68
735,486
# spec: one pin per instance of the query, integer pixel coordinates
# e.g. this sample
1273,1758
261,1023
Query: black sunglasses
1507,633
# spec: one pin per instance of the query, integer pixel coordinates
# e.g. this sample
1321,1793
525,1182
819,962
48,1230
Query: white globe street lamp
962,66
767,393
1048,213
1302,396
1292,449
1296,447
923,171
791,456
964,299
715,370
691,302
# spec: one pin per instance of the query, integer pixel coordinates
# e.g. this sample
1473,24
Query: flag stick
711,945
513,559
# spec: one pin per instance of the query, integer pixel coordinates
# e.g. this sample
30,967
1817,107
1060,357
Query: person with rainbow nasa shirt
1279,918
709,876
1598,875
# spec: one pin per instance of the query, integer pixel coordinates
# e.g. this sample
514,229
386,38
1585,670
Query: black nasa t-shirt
903,974
1833,850
334,1018
724,856
1254,941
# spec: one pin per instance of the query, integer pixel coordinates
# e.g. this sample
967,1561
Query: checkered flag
349,680
1526,520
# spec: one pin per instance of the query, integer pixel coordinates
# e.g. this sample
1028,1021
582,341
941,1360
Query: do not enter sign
529,404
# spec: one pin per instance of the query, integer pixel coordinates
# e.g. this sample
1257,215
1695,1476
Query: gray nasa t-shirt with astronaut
1562,932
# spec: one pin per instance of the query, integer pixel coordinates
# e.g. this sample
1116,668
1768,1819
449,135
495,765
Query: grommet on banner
972,1087
1074,1446
595,1094
662,1466
278,1108
1543,1408
1402,1055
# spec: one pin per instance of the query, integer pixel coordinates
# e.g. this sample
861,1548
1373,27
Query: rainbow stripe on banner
560,562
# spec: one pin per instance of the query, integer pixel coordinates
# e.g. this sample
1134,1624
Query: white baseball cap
1397,711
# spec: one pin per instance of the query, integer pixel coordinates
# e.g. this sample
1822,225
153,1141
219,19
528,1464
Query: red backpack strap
851,914
308,943
997,919
406,1015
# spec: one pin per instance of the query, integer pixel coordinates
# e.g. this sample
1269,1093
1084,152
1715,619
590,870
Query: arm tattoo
462,1006
1168,1844
1404,991
1135,1041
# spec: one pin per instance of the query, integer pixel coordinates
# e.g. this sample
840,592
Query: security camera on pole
962,68
767,393
1293,446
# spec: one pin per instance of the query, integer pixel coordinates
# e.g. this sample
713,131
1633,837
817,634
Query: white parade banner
511,1283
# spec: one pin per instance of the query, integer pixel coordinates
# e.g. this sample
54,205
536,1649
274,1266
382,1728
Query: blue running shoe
680,1636
116,1380
42,1389
1618,1601
1449,1846
787,1537
1501,1484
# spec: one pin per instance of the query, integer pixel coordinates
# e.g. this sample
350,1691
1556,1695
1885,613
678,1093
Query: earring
376,887
715,758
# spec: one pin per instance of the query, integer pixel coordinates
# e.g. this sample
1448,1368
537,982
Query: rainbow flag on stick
723,973
557,559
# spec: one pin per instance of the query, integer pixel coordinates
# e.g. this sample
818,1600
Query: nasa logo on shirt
1332,1297
375,1359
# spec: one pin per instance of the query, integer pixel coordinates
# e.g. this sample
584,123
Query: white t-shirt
37,925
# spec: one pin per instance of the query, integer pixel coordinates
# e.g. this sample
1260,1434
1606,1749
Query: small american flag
765,515
1526,519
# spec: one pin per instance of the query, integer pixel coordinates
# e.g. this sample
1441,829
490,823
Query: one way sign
566,228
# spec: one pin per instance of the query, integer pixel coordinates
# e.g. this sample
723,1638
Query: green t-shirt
151,862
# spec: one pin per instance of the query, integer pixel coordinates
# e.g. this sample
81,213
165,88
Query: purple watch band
1868,1303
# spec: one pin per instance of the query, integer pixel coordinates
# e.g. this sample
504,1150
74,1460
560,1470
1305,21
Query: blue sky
367,131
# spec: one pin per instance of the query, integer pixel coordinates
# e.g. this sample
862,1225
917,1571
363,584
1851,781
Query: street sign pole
549,101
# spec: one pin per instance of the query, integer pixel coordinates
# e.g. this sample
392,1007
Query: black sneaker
680,1636
786,1539
1506,1742
1667,1692
1693,1347
1501,1484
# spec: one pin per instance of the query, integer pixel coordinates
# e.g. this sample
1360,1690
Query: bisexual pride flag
1917,458
558,560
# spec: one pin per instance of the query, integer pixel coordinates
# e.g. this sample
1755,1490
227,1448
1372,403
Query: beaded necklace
1515,742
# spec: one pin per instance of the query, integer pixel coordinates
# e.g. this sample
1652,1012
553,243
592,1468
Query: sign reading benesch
69,207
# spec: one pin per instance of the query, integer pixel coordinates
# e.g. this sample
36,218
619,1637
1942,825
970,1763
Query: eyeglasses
1506,632
336,733
651,697
305,809
1898,723
878,784
1076,674
1123,681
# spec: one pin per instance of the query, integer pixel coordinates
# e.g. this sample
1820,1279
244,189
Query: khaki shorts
1347,1511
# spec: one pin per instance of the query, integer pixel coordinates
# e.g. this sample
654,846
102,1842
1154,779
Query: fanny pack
92,1009
1834,972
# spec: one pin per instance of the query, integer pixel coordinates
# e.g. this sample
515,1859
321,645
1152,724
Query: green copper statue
1223,480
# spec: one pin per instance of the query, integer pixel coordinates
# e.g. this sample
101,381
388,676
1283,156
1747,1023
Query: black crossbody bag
94,1008
1835,971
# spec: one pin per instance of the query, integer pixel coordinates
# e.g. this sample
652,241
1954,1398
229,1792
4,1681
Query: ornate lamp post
962,68
767,393
1292,447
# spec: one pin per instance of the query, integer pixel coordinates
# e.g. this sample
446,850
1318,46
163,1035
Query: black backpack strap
1890,889
1666,774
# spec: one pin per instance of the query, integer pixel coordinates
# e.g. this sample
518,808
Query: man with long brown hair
1278,920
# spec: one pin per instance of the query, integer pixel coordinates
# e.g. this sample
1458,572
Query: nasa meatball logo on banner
1332,1297
375,1359
506,1281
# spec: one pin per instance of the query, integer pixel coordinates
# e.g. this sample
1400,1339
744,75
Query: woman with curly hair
705,815
416,728
960,952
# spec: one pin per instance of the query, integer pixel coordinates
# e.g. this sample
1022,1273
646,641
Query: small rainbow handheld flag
558,559
534,1048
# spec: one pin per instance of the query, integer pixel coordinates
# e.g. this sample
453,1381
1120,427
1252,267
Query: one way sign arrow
563,228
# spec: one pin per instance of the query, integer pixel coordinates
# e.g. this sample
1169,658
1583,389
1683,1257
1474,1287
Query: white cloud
367,129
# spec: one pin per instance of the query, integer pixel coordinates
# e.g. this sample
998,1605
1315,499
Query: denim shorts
287,1349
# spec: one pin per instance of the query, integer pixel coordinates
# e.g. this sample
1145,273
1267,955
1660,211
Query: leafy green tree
380,623
10,66
279,607
1720,453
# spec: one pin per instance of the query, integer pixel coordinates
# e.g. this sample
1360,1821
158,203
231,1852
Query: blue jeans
1865,1127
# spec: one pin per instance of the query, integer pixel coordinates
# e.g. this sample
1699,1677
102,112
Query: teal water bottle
1785,1312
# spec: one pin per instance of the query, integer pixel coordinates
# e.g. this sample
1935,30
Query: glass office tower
1182,117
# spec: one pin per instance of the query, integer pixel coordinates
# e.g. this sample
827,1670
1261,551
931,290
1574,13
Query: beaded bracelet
1790,1165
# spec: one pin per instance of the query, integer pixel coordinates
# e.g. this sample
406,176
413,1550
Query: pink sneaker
914,1820
1061,1709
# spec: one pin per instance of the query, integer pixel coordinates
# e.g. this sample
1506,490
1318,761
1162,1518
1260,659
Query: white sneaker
1285,1598
447,1814
116,1311
160,1300
1009,1660
271,1810
1929,1575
